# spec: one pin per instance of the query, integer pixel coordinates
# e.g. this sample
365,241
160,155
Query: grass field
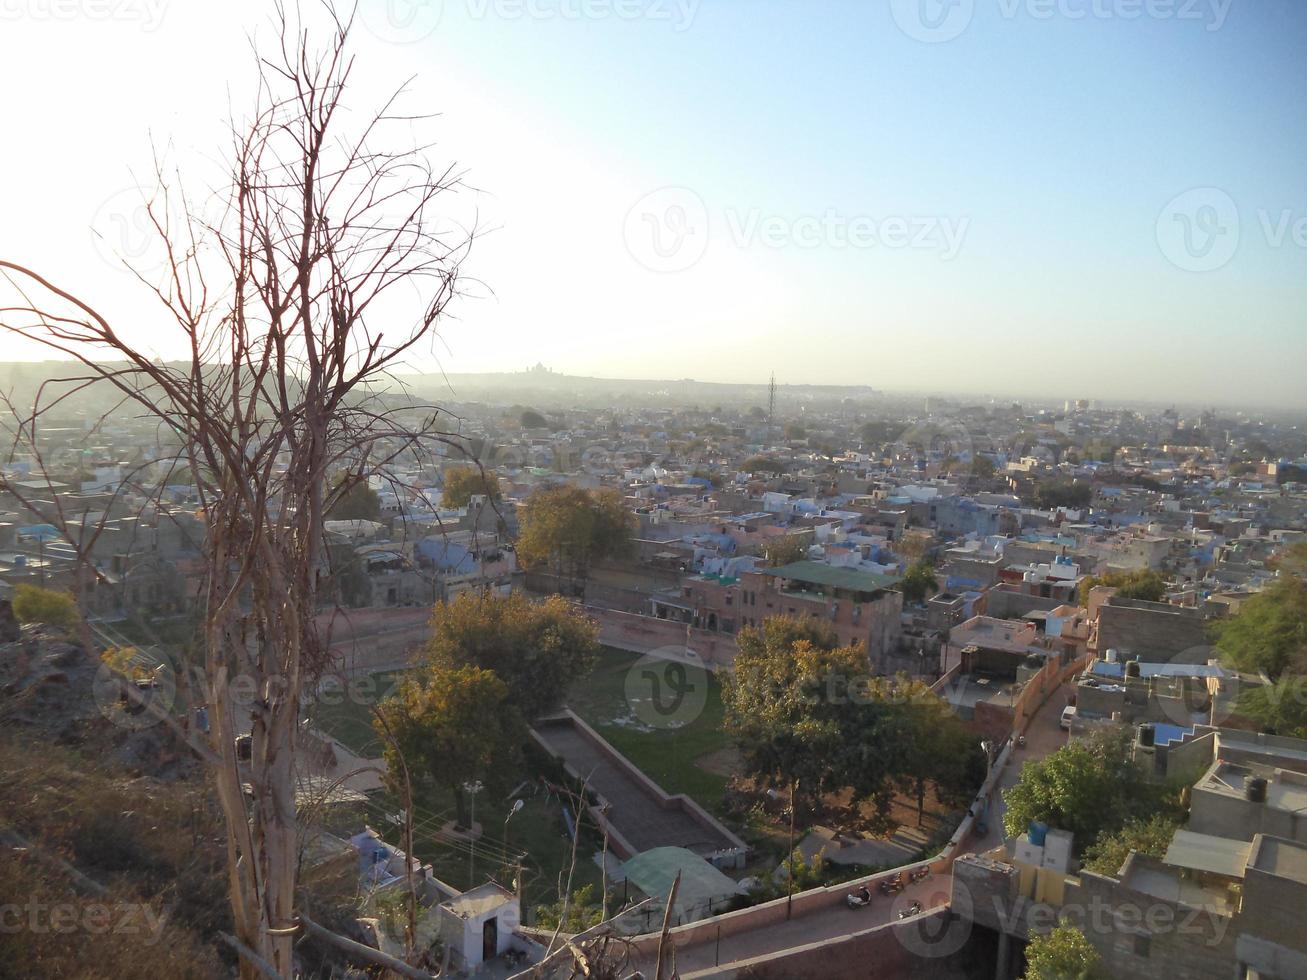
678,759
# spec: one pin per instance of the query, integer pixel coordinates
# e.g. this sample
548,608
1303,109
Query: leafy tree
919,583
359,503
983,468
795,431
762,464
583,912
1143,584
1269,633
33,604
784,550
912,545
757,412
531,419
569,528
1293,561
462,482
1089,787
536,648
878,432
776,710
1280,707
1148,836
1063,954
1063,493
454,726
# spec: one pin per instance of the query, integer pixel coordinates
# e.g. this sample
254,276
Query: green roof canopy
819,573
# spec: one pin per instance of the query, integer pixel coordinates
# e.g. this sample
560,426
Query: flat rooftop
1283,858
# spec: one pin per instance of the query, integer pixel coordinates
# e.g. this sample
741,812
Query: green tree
1269,632
462,482
784,550
454,726
1280,707
1149,836
762,464
1143,584
1063,493
1089,787
1063,954
358,503
582,912
531,419
536,648
33,604
568,528
919,583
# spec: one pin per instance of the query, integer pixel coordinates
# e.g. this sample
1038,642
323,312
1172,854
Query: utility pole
789,883
472,788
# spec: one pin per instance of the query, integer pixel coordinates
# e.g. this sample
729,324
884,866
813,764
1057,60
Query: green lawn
669,756
346,714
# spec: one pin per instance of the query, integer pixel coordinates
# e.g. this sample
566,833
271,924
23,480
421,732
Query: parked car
1068,716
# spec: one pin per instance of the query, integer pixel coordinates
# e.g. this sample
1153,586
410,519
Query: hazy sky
1102,198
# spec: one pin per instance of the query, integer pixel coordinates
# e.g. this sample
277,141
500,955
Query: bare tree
278,301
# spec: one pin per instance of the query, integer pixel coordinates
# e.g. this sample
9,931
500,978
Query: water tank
1110,657
1132,669
1038,833
1147,736
1254,788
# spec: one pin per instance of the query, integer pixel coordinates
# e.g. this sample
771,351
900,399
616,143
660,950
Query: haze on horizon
1084,202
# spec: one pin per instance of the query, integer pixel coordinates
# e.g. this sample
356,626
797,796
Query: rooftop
819,573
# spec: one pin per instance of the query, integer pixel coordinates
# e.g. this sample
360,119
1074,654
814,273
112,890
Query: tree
33,604
1279,707
1063,954
274,299
536,648
1063,493
354,501
1143,584
762,464
784,550
531,419
454,726
461,482
919,583
568,528
983,468
1149,836
1269,632
1090,788
912,545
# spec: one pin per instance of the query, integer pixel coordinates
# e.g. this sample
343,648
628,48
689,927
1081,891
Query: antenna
771,400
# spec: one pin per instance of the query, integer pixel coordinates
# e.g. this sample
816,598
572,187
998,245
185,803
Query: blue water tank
1038,831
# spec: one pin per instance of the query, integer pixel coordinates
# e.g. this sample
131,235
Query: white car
1068,716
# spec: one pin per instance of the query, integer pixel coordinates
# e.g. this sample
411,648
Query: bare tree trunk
280,389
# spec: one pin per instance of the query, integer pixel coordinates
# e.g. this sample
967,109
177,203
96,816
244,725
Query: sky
1077,198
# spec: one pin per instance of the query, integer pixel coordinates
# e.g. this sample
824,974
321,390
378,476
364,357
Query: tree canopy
568,528
33,604
1090,787
453,725
1269,632
462,482
536,648
1143,583
1149,836
802,708
1063,954
359,503
919,583
784,550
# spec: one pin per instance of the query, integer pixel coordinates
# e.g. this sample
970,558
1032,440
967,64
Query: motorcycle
911,910
1021,741
892,885
859,899
919,874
